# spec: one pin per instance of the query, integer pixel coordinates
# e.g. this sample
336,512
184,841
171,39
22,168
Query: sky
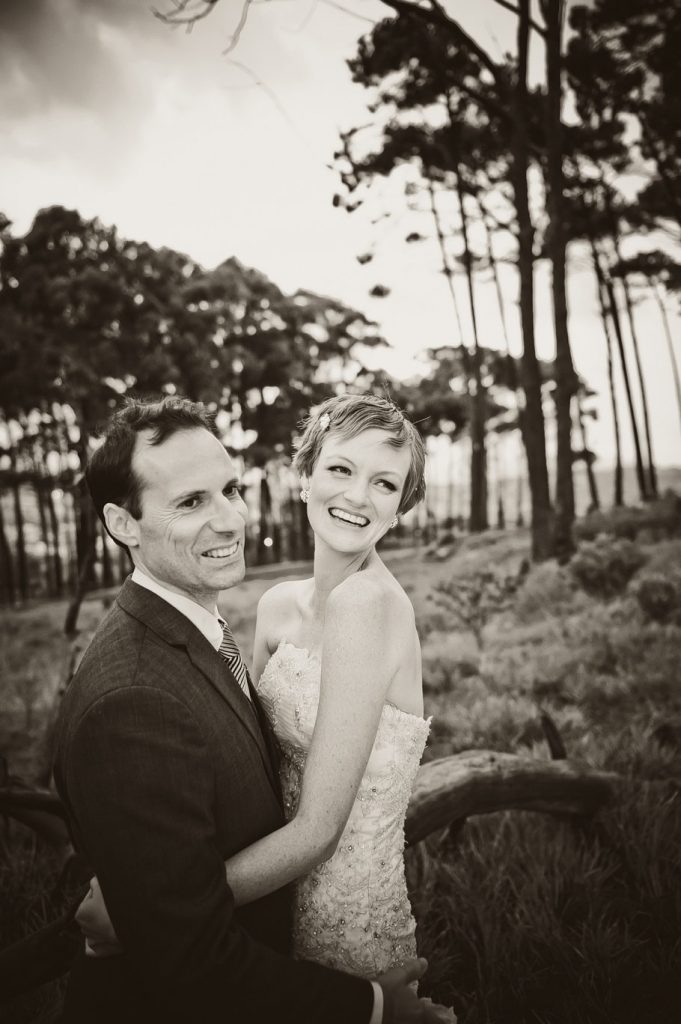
105,109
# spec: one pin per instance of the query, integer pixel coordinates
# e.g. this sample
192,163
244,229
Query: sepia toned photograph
340,512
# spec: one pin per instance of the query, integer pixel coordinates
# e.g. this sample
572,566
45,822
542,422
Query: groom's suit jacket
166,769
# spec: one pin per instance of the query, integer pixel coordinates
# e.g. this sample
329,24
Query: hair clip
324,421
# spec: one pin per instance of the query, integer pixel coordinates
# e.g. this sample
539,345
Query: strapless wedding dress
352,912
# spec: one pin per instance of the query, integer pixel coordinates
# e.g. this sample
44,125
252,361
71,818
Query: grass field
524,918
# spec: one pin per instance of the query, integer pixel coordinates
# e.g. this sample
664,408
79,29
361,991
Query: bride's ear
121,525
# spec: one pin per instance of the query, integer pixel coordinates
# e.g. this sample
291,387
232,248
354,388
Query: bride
338,669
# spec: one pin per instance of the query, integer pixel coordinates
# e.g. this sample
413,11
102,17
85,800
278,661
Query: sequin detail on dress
352,912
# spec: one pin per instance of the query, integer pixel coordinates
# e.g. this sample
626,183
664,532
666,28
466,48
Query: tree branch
437,15
186,13
533,24
346,10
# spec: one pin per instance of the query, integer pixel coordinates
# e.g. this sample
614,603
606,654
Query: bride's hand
94,922
401,1004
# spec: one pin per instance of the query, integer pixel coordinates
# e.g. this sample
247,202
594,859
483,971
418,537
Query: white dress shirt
210,624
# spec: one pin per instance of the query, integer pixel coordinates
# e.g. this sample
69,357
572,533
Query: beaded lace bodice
352,912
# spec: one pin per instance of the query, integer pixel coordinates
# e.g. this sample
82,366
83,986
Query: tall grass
525,919
31,897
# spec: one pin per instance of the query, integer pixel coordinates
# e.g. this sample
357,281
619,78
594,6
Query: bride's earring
305,495
394,523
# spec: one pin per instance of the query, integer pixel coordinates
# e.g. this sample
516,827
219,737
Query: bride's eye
388,484
341,469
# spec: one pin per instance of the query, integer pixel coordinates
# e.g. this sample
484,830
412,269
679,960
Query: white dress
352,912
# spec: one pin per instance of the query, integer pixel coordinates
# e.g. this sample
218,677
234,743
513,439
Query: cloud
76,54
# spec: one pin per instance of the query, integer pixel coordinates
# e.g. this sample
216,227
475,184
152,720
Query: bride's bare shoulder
282,595
375,588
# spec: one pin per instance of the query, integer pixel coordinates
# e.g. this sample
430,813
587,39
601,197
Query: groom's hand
94,922
401,1005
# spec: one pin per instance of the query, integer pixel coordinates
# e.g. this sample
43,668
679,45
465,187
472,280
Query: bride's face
355,490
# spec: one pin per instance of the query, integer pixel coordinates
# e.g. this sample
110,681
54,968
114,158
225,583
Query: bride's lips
222,551
341,515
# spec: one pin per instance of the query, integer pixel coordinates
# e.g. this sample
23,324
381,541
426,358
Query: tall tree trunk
532,416
57,568
471,373
6,568
478,421
86,532
492,260
652,471
629,306
39,489
619,489
264,530
446,267
614,316
19,524
565,377
670,343
588,460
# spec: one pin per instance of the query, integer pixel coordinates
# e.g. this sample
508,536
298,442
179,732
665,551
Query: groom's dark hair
110,476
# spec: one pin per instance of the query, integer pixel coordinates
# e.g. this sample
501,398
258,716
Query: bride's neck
331,568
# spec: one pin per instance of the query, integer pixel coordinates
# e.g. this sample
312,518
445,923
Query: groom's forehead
186,459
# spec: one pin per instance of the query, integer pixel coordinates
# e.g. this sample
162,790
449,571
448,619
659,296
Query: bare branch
187,12
236,35
346,10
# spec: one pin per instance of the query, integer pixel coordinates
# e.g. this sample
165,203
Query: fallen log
451,789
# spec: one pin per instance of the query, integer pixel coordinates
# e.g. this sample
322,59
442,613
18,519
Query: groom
167,766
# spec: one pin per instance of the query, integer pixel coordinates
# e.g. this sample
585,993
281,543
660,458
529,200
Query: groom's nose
228,515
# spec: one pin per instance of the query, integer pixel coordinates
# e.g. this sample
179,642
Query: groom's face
190,536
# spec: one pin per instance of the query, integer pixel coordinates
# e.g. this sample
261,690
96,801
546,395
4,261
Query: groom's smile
222,552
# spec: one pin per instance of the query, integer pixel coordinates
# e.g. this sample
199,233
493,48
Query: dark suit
165,772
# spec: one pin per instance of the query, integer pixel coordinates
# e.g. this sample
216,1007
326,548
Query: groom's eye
191,502
234,491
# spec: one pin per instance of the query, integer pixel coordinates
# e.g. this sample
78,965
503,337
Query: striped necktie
232,655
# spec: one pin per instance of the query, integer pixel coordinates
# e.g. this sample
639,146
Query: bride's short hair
349,415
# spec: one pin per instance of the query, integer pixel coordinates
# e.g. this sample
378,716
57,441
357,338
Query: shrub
447,659
661,518
548,590
475,599
603,567
659,595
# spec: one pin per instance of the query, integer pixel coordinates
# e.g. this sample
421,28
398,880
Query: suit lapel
176,630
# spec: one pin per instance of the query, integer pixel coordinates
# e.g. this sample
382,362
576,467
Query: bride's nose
356,491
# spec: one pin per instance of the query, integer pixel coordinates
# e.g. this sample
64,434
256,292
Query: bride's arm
357,667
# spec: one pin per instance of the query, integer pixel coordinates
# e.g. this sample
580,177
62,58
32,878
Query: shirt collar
208,623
